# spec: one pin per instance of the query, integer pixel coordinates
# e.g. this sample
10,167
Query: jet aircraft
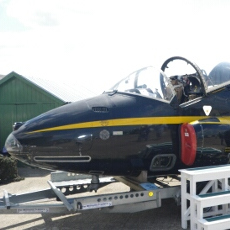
148,122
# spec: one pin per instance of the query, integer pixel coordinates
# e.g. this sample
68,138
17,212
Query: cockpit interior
160,85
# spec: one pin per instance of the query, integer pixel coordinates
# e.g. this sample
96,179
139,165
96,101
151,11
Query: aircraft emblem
104,134
207,109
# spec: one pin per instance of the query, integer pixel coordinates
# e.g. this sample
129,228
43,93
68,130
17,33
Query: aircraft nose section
12,145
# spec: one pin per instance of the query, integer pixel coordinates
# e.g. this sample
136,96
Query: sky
98,42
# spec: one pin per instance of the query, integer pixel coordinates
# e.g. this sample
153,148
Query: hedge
8,170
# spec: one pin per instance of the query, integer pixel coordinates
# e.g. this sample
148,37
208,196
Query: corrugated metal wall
20,100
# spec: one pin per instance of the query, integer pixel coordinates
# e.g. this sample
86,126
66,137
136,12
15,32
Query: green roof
64,91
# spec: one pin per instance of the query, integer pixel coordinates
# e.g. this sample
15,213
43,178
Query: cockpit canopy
147,82
193,83
219,74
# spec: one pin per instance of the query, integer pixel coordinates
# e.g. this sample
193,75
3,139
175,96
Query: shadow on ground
28,171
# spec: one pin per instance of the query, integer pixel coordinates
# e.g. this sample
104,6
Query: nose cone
12,145
59,136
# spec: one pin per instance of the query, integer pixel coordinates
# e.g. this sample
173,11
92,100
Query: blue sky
96,43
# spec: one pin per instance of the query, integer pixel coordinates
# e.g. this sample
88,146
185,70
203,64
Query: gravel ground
167,217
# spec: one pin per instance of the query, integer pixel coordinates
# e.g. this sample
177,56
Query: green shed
22,98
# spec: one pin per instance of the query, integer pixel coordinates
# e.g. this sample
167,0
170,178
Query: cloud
101,41
32,13
38,13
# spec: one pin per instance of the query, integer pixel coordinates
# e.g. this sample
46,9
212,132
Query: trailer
67,190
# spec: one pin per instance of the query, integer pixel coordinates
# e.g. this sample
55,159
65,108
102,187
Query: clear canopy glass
147,82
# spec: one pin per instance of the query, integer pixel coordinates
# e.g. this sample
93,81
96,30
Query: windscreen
146,82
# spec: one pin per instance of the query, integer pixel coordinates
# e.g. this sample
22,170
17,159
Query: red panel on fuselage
188,144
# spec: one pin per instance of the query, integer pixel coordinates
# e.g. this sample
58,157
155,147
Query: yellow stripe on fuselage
133,121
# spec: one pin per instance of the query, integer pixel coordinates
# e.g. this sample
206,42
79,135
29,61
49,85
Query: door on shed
7,118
